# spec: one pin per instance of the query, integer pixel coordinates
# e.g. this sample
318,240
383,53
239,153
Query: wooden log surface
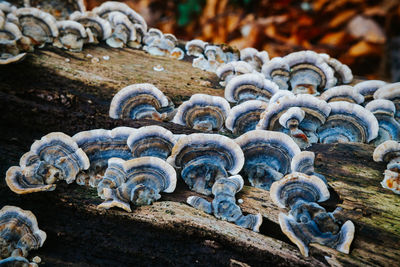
46,93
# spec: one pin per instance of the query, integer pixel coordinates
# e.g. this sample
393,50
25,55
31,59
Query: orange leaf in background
319,4
338,4
333,38
232,22
304,21
271,32
364,48
341,18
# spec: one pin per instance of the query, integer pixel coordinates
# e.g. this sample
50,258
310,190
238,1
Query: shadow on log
45,93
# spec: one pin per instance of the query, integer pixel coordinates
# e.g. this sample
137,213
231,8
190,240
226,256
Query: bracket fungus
307,221
113,6
205,158
138,101
212,58
98,29
124,31
227,71
100,145
304,162
342,72
250,86
244,117
316,112
202,112
268,156
39,26
224,205
56,156
195,48
19,233
159,44
152,141
348,122
60,9
342,93
390,92
291,120
368,88
7,7
278,71
144,179
389,128
255,58
72,35
309,73
152,35
9,52
389,152
298,187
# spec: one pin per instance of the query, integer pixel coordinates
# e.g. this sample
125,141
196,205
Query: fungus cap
285,192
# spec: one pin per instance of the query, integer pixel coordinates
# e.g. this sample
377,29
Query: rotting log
46,93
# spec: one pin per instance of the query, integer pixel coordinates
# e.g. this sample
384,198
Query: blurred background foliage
365,34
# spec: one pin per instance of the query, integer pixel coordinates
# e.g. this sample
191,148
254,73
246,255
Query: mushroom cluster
68,25
274,108
308,222
224,205
19,234
56,156
210,57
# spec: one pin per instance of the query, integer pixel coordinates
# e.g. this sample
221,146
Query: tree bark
45,93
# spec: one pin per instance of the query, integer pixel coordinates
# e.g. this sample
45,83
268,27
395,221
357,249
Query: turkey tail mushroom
250,86
389,152
106,8
205,158
368,88
224,205
342,93
278,71
389,128
307,221
244,117
390,92
348,122
255,58
138,101
124,31
54,157
304,162
202,112
100,145
19,233
154,141
342,72
268,156
316,113
291,120
145,178
309,73
98,29
39,26
72,35
195,47
227,71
